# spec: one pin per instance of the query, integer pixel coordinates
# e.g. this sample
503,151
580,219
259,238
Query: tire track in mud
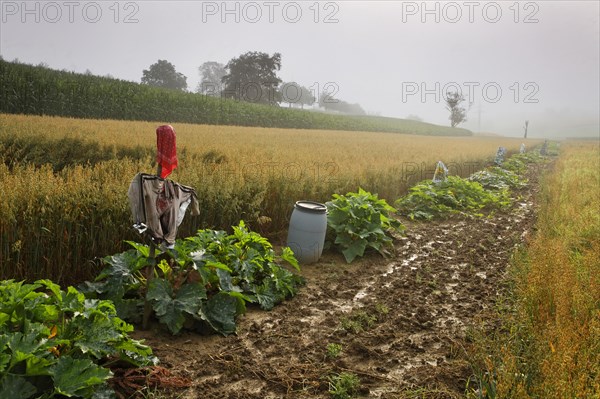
416,307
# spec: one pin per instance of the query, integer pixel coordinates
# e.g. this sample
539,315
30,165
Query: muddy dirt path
400,322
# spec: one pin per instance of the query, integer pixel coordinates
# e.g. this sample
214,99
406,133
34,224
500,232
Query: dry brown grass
550,344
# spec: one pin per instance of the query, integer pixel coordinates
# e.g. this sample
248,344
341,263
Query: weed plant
343,385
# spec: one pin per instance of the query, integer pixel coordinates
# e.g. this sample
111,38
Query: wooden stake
150,274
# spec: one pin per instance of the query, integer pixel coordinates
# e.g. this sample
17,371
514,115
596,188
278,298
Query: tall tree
299,96
211,78
253,77
163,74
458,114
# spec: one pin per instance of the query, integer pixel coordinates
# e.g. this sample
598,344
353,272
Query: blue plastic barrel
306,234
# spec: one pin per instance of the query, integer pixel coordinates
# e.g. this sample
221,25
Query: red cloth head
166,155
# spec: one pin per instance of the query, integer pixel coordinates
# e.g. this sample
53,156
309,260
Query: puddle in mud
405,263
360,295
450,290
392,267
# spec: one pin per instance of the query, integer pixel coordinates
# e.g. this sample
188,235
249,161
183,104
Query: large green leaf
77,377
288,256
54,288
46,313
72,300
38,365
4,360
171,308
16,387
144,250
122,265
336,217
171,316
4,318
120,276
356,249
129,309
95,335
92,288
190,296
136,353
225,280
266,295
160,290
220,311
28,345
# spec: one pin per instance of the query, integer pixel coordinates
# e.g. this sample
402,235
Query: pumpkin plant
56,343
204,282
428,200
360,221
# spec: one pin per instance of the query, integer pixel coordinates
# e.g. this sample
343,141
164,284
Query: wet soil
401,322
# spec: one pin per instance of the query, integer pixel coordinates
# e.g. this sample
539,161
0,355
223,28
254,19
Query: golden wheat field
53,220
297,154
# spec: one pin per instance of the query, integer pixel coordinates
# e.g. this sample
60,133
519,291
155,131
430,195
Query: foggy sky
536,61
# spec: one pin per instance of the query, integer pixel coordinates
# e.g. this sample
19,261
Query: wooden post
150,274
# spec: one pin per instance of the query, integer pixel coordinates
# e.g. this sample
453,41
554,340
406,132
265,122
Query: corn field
28,89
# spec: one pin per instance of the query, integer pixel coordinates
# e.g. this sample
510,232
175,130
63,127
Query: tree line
251,77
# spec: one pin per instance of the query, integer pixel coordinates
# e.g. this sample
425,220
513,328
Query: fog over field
535,61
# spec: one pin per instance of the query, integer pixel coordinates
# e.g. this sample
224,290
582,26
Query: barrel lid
311,206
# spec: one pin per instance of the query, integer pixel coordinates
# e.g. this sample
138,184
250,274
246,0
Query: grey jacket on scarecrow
160,205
